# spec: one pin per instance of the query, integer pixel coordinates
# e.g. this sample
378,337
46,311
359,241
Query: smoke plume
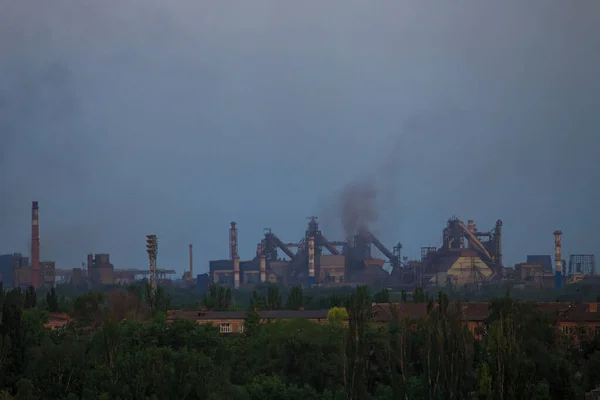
358,208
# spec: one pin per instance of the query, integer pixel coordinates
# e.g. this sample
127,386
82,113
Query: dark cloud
125,118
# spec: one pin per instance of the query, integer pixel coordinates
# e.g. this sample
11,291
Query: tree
52,301
251,323
30,298
295,299
217,298
336,316
382,297
355,348
273,298
420,295
14,335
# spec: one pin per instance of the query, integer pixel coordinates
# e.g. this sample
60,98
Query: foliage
336,316
295,299
122,347
217,298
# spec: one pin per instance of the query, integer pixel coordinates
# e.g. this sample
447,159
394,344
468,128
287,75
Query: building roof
220,265
544,260
263,314
383,312
564,312
57,320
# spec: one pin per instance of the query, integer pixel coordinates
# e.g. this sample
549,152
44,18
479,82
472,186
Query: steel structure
582,264
152,249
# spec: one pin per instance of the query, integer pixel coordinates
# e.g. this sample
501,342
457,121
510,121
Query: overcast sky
131,117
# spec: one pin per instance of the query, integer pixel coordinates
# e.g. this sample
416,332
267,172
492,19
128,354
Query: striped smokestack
311,261
558,258
35,245
263,268
236,272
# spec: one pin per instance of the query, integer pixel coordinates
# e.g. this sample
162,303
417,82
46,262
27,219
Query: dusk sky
124,118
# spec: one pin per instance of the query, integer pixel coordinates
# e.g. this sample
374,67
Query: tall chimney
263,268
259,250
233,241
499,242
191,263
35,245
236,272
311,261
558,258
90,264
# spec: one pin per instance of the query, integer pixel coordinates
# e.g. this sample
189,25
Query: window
241,328
597,330
565,330
225,328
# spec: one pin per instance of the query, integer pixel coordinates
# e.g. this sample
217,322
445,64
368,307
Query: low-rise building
233,321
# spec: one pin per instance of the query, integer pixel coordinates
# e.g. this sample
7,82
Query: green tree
273,298
252,323
355,346
30,298
484,382
295,299
336,316
403,294
52,300
218,298
382,297
420,295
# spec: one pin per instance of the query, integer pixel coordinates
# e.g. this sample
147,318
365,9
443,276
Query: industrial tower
152,248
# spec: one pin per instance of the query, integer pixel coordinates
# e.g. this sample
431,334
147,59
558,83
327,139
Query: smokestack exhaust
35,245
558,258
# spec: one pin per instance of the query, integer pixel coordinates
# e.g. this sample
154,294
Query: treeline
120,346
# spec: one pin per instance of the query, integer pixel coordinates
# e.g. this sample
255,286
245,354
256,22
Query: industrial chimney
558,258
35,245
258,249
191,264
499,242
263,268
236,272
311,261
233,241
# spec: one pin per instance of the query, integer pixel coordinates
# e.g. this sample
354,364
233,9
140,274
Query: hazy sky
131,117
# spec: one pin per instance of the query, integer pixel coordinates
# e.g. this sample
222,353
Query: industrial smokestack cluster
558,258
35,245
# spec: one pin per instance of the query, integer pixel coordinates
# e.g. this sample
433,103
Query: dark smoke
358,207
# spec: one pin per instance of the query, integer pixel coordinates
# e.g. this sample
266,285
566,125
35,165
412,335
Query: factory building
465,258
315,261
17,270
99,269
